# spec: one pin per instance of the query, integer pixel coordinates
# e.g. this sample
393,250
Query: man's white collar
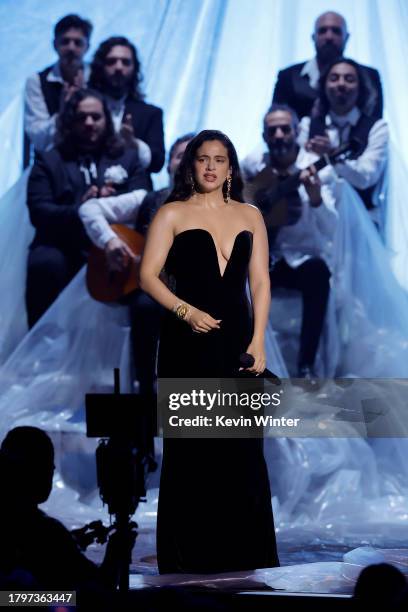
311,69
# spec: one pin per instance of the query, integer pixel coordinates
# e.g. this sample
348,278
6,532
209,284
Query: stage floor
315,558
316,567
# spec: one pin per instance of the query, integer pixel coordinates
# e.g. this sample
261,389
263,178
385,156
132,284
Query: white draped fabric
17,233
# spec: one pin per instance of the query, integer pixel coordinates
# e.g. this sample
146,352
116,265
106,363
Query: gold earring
228,196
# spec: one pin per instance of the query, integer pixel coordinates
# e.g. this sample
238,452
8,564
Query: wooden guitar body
271,193
105,285
264,192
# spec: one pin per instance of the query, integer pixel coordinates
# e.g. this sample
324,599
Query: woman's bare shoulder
170,211
244,206
249,211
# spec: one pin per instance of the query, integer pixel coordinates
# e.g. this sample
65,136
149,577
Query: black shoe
308,374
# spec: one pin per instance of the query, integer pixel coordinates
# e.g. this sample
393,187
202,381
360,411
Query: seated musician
299,242
135,207
88,161
341,119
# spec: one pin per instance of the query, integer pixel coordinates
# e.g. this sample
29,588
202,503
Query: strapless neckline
209,234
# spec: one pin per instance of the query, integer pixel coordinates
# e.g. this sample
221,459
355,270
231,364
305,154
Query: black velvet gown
215,511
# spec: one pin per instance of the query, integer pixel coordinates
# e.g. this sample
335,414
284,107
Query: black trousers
312,279
146,316
49,270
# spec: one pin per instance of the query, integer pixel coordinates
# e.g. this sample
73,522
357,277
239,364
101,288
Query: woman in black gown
215,512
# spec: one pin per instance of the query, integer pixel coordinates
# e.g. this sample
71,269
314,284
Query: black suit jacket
54,194
148,126
294,90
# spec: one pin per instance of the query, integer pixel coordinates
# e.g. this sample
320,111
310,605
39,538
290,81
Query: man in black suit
297,86
90,161
116,72
47,90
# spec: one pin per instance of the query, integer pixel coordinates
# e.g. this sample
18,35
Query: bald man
297,85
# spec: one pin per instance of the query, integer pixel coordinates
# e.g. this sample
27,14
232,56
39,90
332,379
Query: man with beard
116,72
297,85
298,249
46,91
89,161
96,214
342,119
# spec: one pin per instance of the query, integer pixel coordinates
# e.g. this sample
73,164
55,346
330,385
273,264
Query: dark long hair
112,144
182,189
363,92
97,78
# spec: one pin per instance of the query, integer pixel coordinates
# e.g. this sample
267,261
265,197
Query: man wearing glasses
46,91
297,85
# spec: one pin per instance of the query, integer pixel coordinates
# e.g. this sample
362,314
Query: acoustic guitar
105,285
271,192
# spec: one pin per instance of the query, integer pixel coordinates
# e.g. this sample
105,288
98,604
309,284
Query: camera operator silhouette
33,542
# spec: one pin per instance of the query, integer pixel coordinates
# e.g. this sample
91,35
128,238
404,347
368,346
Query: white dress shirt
98,213
38,123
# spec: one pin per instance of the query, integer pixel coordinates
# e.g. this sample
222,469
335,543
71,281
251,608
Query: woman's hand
200,321
257,350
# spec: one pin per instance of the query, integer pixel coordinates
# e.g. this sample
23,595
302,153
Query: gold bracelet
181,310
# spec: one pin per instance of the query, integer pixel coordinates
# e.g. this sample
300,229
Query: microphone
247,361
